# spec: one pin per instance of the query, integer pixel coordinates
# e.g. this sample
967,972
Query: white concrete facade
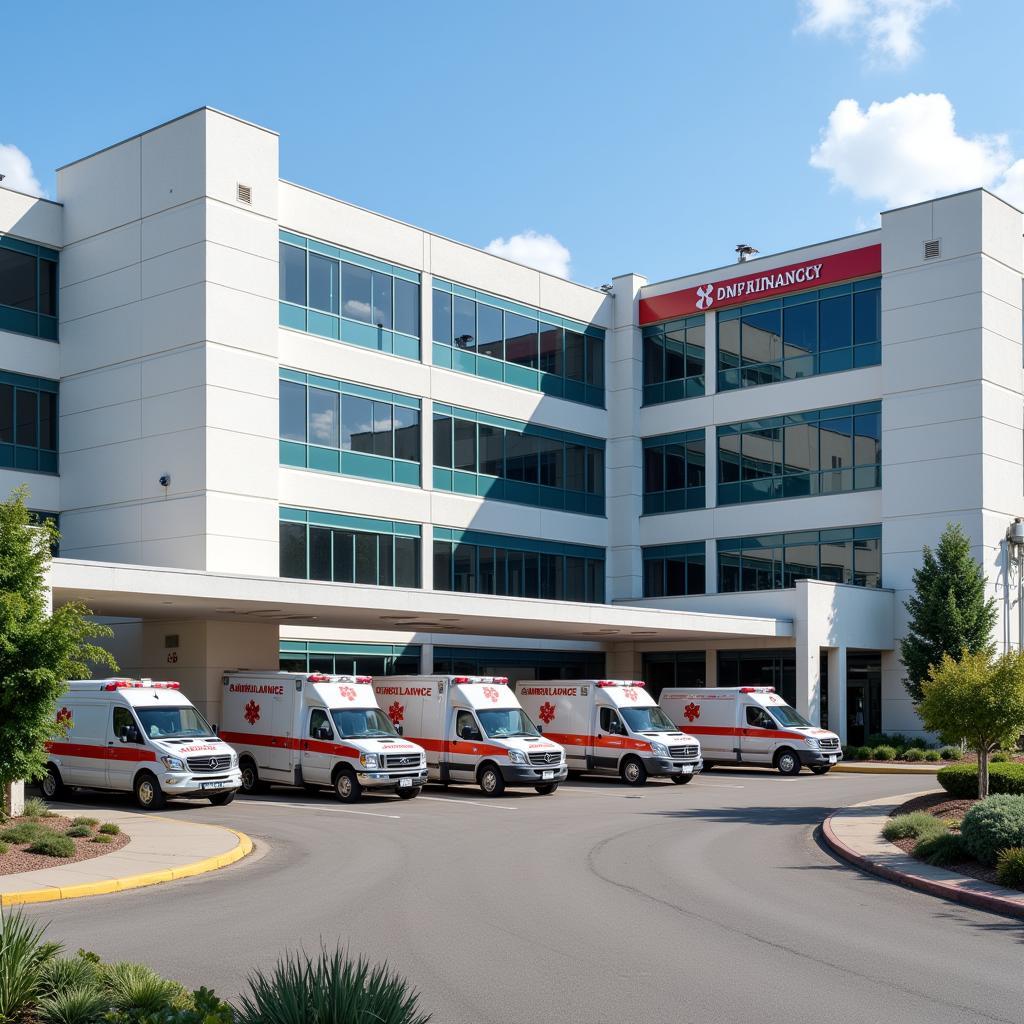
168,361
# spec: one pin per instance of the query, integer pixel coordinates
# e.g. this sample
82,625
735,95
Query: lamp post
1015,552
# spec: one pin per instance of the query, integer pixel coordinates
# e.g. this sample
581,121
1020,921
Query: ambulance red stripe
578,740
716,730
260,739
119,753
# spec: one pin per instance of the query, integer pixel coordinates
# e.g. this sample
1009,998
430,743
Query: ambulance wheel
492,782
220,799
51,783
682,780
148,794
633,772
547,789
408,794
787,762
347,788
251,777
820,769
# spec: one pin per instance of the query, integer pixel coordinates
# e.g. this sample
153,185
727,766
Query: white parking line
717,785
317,808
475,803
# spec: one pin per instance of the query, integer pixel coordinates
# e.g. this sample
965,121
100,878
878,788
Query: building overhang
117,590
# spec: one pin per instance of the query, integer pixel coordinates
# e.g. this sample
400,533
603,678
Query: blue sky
643,137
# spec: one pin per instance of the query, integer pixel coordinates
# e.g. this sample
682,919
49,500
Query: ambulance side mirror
129,734
400,730
540,730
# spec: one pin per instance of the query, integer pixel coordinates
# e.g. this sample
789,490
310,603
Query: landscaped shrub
102,839
961,780
25,832
993,825
918,743
91,822
882,739
914,825
853,754
941,849
951,753
62,974
23,953
1010,867
35,807
999,757
110,829
932,755
53,845
78,831
3,848
139,989
72,1006
884,753
912,754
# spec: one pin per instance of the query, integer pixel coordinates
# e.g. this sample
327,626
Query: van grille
547,757
828,743
684,752
216,763
402,761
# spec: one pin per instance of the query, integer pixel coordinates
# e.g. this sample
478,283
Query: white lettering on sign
549,691
755,285
253,688
403,691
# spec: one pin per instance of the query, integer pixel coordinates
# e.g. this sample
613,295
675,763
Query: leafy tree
39,651
948,610
978,699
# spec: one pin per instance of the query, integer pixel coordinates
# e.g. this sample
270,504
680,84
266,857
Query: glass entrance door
856,713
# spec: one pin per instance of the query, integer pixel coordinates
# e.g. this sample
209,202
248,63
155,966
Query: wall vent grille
245,196
932,249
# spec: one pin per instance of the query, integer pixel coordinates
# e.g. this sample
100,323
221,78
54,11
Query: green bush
951,753
91,822
102,839
993,825
35,807
78,832
884,753
25,832
999,757
72,1006
961,780
61,974
110,829
4,847
912,754
1010,867
918,743
23,955
138,989
941,849
932,755
331,989
53,845
914,825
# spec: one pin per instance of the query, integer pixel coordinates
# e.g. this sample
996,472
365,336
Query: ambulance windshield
362,723
172,723
647,720
505,723
785,715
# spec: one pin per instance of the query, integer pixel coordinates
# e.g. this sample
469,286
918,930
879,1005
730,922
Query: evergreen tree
39,652
949,614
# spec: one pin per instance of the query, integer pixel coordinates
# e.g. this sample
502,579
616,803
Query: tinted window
292,274
520,339
292,411
356,292
366,558
26,412
319,553
357,425
442,316
323,417
17,279
490,329
575,355
492,450
442,441
293,550
407,562
465,323
6,414
47,421
48,287
383,309
465,446
323,283
383,438
407,307
407,433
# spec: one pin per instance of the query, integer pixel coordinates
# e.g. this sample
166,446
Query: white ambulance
474,730
611,726
751,725
141,737
314,731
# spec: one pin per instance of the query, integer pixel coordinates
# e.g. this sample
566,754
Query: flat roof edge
29,195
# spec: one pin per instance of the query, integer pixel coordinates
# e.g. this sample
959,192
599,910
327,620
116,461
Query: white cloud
889,29
545,252
17,171
908,150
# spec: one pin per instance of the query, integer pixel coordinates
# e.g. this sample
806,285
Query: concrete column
711,667
837,691
623,661
427,659
426,316
710,353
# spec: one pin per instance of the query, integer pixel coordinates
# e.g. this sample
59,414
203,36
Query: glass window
291,274
383,429
595,471
366,558
293,550
26,416
836,323
442,317
550,349
575,356
595,361
800,329
867,317
383,307
490,328
762,337
6,414
521,463
465,446
464,568
407,307
442,565
47,421
323,417
323,283
654,355
442,441
520,340
320,725
407,561
344,556
357,424
356,293
492,449
575,467
48,287
320,561
654,470
552,462
465,323
407,433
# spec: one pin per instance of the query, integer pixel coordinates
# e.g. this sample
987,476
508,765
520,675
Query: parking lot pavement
711,902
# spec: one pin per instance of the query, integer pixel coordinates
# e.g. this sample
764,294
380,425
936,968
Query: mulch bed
18,858
942,805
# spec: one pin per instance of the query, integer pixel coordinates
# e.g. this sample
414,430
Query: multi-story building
277,428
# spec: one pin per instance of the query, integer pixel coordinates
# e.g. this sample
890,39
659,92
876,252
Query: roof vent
245,195
932,249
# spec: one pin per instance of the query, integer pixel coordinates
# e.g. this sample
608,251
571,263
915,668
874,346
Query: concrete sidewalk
163,848
855,833
887,768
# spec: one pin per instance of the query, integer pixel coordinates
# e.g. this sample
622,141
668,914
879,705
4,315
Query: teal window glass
519,663
850,554
674,570
28,423
673,668
823,451
823,331
763,668
28,288
674,472
350,659
673,360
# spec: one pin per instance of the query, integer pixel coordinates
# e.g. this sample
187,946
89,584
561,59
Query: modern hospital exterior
280,429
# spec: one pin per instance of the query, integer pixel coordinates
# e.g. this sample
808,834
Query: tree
948,610
39,651
978,699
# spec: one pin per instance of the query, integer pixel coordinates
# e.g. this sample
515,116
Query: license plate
211,785
831,758
687,769
404,782
547,775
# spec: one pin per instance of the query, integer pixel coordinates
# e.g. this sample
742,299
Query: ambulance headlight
234,760
516,756
659,750
173,764
812,742
369,760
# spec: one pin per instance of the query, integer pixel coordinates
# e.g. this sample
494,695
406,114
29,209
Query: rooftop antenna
744,252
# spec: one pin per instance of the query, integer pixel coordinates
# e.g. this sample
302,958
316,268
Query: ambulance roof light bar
496,680
757,689
322,677
138,684
622,682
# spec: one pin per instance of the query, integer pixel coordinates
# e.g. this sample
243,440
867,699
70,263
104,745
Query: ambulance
612,727
474,730
317,731
751,725
137,736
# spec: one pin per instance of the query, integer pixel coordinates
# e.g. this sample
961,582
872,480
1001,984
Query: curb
882,769
71,892
944,890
